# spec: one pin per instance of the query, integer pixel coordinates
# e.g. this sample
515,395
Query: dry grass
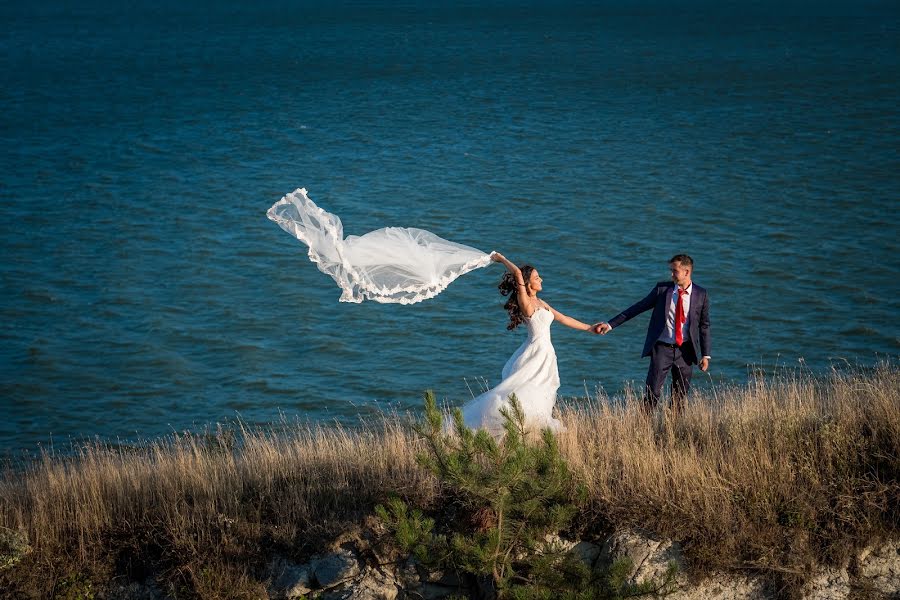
778,476
206,511
774,476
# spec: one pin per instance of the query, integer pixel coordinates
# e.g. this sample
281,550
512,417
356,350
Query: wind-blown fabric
389,265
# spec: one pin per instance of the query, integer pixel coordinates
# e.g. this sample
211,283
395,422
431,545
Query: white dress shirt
668,334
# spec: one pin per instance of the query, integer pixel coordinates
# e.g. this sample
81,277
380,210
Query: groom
678,334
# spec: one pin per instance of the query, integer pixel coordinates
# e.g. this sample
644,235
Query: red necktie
679,318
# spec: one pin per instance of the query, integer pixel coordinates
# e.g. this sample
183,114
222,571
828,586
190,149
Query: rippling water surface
144,291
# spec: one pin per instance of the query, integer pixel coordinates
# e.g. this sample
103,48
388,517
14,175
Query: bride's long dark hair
509,287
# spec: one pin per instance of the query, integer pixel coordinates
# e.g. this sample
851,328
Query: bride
408,265
530,373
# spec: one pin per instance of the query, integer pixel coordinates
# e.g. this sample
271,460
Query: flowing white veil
391,265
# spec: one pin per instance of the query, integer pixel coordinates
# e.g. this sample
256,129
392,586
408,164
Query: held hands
601,328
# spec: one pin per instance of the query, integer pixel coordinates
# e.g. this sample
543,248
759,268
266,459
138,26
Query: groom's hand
704,364
602,328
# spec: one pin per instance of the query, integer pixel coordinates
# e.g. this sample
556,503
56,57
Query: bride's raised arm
569,321
525,303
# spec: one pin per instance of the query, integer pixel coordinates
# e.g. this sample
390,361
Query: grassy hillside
774,476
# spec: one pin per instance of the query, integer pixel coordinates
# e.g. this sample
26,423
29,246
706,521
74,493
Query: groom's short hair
684,259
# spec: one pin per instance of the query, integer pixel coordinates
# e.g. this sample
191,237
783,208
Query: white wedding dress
407,265
531,374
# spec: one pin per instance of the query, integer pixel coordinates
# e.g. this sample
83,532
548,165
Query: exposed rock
879,568
649,555
586,552
380,588
412,574
345,593
370,585
554,542
409,574
828,584
720,586
631,544
289,580
333,568
361,575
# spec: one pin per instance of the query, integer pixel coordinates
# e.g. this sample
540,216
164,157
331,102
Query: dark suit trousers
665,358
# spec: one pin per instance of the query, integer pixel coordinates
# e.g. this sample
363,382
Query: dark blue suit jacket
698,319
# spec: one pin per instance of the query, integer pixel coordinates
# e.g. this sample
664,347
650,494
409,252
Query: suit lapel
666,289
696,303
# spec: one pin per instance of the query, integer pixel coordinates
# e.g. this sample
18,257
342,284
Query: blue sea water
144,291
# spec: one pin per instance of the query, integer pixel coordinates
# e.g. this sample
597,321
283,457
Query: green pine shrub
510,495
